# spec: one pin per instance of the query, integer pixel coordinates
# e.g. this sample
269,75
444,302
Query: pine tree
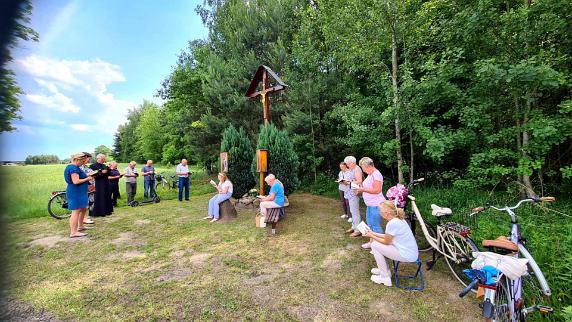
240,151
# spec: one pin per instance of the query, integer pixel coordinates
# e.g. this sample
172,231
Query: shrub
282,160
240,151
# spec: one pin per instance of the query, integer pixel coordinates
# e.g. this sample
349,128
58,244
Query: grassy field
27,189
162,262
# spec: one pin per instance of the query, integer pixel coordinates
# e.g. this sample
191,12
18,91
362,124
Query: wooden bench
227,210
273,216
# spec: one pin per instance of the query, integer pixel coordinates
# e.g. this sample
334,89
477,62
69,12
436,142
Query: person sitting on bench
398,242
275,199
224,192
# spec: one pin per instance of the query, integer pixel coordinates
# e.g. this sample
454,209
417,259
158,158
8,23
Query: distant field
27,189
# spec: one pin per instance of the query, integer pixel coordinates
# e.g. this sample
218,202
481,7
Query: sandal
78,235
349,231
355,234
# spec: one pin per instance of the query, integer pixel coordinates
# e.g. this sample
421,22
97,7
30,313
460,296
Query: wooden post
261,166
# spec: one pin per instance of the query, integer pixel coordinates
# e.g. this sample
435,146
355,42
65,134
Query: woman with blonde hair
224,192
398,243
76,193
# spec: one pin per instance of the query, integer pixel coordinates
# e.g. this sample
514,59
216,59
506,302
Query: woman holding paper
343,186
397,243
224,189
372,196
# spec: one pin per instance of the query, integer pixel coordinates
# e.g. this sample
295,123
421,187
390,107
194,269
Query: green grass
162,262
27,189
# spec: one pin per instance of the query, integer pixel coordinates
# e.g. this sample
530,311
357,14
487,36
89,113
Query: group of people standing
397,241
103,180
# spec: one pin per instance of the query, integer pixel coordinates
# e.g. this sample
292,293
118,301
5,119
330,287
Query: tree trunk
525,139
395,101
411,160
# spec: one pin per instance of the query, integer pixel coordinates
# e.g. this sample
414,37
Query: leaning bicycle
58,204
163,184
448,239
512,299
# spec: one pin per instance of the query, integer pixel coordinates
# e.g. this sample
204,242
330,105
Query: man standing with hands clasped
148,172
131,181
183,173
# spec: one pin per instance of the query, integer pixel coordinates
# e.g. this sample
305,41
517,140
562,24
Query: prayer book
212,182
363,227
354,185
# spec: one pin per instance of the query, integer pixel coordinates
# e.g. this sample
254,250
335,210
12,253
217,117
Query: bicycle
398,194
448,239
506,300
164,185
58,204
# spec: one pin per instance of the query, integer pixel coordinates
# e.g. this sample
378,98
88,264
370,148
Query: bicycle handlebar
469,287
541,199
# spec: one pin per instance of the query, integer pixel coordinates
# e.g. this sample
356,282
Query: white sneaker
366,245
378,279
375,271
88,221
349,220
214,219
344,216
208,217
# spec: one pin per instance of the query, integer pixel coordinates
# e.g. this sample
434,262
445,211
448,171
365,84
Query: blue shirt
279,190
149,177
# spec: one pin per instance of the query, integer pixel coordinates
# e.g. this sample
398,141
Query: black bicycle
164,185
58,204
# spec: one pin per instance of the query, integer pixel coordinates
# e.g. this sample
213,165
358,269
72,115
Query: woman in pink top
372,196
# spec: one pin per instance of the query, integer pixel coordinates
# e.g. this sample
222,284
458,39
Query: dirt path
162,262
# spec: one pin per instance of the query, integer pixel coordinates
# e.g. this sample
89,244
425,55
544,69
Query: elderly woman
224,192
397,243
343,186
275,199
102,205
356,177
372,196
76,192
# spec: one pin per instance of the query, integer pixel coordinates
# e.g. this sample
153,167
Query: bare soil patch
19,311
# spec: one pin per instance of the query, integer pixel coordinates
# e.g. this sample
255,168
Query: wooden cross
261,75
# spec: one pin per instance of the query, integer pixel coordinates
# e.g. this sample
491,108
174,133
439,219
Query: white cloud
78,77
57,101
81,127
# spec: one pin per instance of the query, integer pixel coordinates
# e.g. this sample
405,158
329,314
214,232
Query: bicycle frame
439,243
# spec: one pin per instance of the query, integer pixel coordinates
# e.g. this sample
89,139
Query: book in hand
212,182
341,180
363,227
354,185
259,196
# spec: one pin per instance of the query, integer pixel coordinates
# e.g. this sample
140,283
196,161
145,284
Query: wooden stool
419,273
227,210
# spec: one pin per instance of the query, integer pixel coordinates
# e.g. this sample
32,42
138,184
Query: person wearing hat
76,192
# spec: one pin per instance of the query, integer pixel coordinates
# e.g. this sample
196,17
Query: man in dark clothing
102,204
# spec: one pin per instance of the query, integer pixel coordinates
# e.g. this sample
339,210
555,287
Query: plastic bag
511,267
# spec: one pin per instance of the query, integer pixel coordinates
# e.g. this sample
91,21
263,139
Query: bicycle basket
398,195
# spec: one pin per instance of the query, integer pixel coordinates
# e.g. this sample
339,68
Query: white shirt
403,238
225,184
183,169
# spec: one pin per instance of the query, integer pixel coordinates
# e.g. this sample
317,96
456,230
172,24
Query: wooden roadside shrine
262,76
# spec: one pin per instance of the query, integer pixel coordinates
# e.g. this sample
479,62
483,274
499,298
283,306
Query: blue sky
95,60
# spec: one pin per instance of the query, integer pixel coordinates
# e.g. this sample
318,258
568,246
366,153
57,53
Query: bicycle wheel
58,206
91,199
422,243
503,307
161,186
535,289
461,248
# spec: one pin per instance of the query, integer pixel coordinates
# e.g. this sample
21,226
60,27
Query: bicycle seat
501,242
440,211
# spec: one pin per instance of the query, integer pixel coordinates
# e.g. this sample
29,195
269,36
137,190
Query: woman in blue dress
76,192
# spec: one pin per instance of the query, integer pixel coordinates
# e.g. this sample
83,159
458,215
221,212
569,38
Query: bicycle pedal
545,309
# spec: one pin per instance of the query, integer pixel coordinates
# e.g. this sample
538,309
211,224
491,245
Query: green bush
240,151
282,159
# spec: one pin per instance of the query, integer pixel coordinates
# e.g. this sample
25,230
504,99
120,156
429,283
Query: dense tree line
42,159
476,90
